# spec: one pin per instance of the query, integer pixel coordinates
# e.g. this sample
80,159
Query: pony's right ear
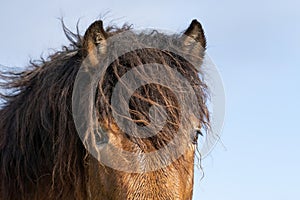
94,41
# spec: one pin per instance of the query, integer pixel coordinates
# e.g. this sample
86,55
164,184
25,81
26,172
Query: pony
41,153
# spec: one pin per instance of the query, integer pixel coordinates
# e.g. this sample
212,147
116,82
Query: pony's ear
195,34
94,41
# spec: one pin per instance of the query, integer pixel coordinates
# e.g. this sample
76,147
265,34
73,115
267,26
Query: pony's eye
195,135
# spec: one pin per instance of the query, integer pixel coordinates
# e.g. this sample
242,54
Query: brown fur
41,155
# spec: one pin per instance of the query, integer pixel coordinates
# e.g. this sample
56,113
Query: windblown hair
151,94
39,143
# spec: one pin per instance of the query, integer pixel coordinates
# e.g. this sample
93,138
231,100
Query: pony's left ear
94,41
195,34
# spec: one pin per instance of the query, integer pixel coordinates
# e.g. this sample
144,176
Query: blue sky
256,46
